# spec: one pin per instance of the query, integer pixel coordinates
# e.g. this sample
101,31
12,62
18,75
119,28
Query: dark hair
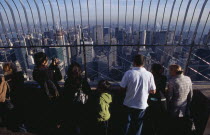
10,66
103,85
39,58
139,60
157,69
74,70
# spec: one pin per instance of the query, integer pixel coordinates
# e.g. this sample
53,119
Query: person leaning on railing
157,102
103,101
138,84
179,98
14,103
75,103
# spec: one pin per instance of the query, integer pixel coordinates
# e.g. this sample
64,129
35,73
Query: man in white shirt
138,83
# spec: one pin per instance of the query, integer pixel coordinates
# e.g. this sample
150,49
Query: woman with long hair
76,94
15,97
157,102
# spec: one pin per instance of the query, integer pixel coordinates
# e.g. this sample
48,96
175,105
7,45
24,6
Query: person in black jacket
157,102
15,92
48,101
47,77
76,107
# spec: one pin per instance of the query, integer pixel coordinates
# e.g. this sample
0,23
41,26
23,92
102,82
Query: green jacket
104,101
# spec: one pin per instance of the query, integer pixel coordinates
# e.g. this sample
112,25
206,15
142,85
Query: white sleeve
152,85
124,81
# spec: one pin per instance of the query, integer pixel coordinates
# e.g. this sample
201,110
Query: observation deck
104,35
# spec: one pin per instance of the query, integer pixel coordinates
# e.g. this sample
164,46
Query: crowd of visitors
152,103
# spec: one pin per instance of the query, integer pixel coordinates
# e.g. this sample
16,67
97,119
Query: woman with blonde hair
179,98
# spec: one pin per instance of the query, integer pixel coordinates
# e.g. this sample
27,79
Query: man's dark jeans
134,121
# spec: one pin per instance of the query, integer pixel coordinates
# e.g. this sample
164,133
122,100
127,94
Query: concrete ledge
200,103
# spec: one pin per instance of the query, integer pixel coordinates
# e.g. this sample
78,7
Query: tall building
63,53
89,51
49,34
1,43
37,41
112,54
30,61
130,29
21,54
89,55
148,40
160,37
59,36
106,30
170,36
119,35
141,38
107,39
79,31
98,35
101,66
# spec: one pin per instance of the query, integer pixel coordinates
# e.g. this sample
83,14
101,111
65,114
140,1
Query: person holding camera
47,77
49,97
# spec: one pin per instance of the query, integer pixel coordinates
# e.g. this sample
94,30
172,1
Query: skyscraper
98,35
149,35
102,68
160,37
59,35
1,43
106,30
119,34
21,54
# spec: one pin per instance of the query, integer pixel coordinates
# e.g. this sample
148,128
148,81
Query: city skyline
62,10
163,38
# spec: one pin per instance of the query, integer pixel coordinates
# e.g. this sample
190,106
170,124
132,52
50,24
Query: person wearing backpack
13,82
103,101
76,96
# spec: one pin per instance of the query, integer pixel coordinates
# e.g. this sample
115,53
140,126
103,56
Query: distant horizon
62,10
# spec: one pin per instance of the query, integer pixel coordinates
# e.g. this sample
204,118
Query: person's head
40,59
9,68
103,85
175,70
74,70
157,69
138,60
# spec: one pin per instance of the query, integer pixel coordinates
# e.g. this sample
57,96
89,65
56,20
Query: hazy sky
114,11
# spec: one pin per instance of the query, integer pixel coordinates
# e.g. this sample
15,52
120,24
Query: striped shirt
179,95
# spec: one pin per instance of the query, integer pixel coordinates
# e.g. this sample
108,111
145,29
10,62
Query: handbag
80,97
